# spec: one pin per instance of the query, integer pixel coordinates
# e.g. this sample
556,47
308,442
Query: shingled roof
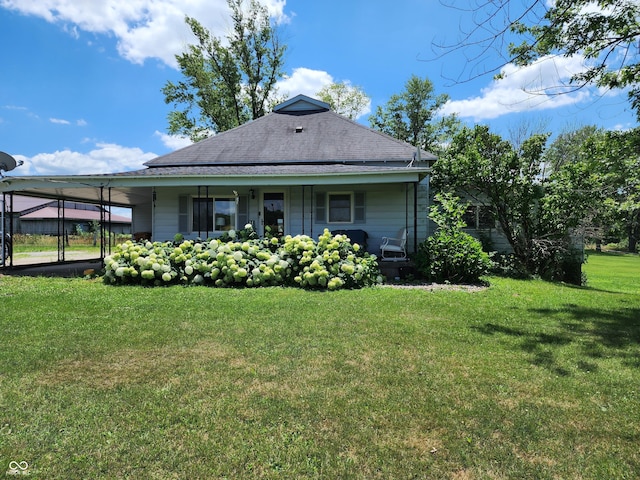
301,142
300,131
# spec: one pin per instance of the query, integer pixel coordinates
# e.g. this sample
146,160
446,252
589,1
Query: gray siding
141,218
493,236
388,207
165,212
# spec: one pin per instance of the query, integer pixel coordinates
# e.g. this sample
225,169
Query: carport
104,191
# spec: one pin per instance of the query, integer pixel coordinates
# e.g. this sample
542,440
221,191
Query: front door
273,213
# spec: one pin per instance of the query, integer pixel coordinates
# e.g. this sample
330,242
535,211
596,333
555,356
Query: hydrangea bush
240,259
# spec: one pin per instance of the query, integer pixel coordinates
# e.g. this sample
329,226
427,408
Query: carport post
102,225
3,229
2,251
61,231
415,217
112,237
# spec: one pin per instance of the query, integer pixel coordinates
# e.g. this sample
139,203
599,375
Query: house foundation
395,270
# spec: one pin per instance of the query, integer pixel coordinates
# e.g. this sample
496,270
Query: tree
601,179
524,128
345,99
574,199
616,159
94,228
568,146
603,32
482,166
226,83
413,116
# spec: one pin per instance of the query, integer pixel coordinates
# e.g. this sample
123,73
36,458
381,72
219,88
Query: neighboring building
31,215
298,170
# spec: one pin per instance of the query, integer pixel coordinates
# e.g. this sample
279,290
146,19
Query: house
298,170
42,216
483,225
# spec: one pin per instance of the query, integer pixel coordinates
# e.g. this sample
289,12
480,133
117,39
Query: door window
273,211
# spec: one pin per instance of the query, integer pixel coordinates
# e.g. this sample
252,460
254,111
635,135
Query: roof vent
299,129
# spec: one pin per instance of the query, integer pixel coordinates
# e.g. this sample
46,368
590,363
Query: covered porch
155,198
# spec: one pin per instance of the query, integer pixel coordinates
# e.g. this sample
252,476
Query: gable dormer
302,104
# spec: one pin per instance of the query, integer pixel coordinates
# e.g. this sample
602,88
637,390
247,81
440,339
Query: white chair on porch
395,248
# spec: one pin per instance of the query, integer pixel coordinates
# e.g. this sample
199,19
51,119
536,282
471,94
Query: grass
35,249
49,243
617,272
526,379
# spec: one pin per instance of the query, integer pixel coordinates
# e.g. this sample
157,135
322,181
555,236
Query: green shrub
455,258
240,259
451,255
507,265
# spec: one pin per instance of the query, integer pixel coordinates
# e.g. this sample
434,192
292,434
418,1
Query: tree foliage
616,160
413,116
486,168
603,178
604,33
575,183
226,82
345,99
568,147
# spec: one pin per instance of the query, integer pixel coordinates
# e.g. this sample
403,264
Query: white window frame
213,199
351,208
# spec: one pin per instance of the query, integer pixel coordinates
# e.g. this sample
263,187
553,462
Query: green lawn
526,379
614,271
26,244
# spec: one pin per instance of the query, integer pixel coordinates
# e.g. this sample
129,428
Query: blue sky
80,88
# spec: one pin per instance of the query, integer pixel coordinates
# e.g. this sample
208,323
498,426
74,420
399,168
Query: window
479,217
214,214
486,219
469,216
340,207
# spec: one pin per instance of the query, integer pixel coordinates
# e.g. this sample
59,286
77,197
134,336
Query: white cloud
173,142
105,158
14,107
303,81
542,86
62,121
59,121
143,28
276,10
17,108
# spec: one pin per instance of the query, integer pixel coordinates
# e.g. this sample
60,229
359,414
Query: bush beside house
451,255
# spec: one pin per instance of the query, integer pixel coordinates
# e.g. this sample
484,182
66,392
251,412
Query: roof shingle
292,136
